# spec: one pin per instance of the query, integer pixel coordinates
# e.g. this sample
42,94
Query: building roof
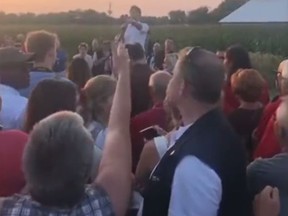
259,11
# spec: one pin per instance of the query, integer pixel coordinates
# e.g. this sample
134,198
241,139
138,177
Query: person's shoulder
15,133
189,163
262,166
98,199
16,136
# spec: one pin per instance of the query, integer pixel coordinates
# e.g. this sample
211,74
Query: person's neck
192,112
44,64
250,106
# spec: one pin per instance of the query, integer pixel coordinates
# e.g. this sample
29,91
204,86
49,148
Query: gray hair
159,82
57,160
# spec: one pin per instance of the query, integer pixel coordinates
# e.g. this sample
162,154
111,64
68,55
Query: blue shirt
35,78
61,62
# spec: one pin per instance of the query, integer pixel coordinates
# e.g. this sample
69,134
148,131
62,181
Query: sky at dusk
149,7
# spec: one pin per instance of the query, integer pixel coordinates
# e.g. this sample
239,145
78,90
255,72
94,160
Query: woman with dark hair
236,57
49,96
79,72
140,75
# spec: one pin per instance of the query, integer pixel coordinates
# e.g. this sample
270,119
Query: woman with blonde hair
96,100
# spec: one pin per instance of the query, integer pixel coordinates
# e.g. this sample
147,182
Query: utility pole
110,9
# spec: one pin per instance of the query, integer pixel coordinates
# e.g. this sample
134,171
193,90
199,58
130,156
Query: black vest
212,140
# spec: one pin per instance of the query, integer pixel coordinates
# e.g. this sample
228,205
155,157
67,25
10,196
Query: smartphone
149,133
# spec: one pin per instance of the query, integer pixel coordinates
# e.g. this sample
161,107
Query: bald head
282,122
283,77
158,84
283,68
204,71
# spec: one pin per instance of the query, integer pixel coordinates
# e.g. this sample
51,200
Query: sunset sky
149,7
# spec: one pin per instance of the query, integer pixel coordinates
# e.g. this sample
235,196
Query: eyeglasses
191,53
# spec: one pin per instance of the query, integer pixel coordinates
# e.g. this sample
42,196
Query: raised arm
115,168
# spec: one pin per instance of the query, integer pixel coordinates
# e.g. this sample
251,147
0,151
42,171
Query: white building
260,11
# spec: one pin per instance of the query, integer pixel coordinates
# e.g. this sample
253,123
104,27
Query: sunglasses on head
192,51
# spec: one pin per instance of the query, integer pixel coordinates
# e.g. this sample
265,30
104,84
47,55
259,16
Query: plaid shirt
95,203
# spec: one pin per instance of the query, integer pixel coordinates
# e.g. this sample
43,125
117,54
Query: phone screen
149,133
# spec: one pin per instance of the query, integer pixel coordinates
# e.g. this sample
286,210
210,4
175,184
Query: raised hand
267,203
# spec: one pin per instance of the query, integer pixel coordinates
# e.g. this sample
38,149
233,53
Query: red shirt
268,112
268,145
231,102
12,144
154,116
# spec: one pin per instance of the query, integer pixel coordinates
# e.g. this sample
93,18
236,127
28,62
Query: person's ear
182,90
280,132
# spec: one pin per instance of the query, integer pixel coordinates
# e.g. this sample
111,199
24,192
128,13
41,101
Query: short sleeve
196,189
145,28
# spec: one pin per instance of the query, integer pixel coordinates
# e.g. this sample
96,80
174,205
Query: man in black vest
203,173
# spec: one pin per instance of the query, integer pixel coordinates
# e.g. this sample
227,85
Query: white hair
58,159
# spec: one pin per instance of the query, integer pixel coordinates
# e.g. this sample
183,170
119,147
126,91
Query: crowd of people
122,132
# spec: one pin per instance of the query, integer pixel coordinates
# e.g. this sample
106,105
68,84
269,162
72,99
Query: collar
8,90
41,69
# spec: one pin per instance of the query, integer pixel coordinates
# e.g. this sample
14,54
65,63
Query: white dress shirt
133,35
196,188
13,108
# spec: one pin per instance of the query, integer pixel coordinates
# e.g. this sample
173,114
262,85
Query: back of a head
54,177
79,72
248,85
158,83
140,94
282,124
282,77
95,93
238,58
204,72
41,43
50,96
135,51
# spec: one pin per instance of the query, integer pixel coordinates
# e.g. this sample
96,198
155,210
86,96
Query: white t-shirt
196,188
87,58
133,35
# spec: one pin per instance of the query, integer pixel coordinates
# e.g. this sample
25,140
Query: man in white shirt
83,53
203,173
14,75
135,31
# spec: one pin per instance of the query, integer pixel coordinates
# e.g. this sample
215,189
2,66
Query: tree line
198,16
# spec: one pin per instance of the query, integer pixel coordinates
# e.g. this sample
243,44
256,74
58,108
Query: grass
267,43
